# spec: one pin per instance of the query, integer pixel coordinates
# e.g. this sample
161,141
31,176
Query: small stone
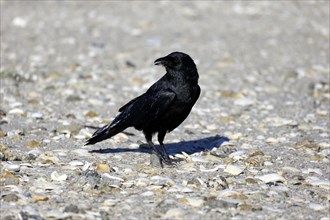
12,167
272,140
161,181
228,193
37,115
76,163
179,188
30,211
147,193
90,114
291,169
238,155
10,197
248,207
199,159
7,178
174,213
33,144
113,177
314,181
72,208
234,170
81,152
223,203
38,198
103,168
19,22
2,134
235,136
47,158
16,111
273,177
244,102
216,168
57,177
195,202
316,207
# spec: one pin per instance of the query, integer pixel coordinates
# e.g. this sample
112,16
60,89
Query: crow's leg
167,159
161,136
155,149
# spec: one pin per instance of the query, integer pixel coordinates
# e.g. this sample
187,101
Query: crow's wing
129,103
147,107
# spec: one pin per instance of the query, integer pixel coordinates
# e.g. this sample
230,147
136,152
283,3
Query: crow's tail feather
104,133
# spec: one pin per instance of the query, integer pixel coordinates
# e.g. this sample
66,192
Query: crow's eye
174,62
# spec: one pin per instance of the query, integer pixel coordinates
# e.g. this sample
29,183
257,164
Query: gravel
255,146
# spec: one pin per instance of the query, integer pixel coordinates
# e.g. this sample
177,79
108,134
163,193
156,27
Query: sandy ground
255,146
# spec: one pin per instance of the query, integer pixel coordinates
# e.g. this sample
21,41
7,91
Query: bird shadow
189,147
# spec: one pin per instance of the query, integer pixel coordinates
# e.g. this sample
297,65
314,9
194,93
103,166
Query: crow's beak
159,61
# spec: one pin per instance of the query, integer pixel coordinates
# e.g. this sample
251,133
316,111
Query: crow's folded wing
147,107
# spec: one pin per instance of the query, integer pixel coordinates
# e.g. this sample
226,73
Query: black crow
162,108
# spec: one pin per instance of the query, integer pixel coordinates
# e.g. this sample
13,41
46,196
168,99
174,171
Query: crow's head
176,61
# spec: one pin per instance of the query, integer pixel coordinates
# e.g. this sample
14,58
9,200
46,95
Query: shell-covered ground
255,146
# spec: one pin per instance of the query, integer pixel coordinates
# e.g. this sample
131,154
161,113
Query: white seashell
195,202
81,152
76,163
16,111
273,177
107,175
160,180
147,193
37,115
199,159
227,193
203,169
234,170
316,207
12,167
57,177
238,155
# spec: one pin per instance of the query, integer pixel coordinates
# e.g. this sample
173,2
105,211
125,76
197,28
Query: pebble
238,155
271,140
38,198
19,22
316,207
107,175
216,168
179,188
58,177
314,181
10,197
244,102
33,144
174,213
81,152
195,202
16,111
30,211
37,115
12,167
273,177
199,159
147,193
76,163
278,121
103,167
161,181
234,170
48,157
